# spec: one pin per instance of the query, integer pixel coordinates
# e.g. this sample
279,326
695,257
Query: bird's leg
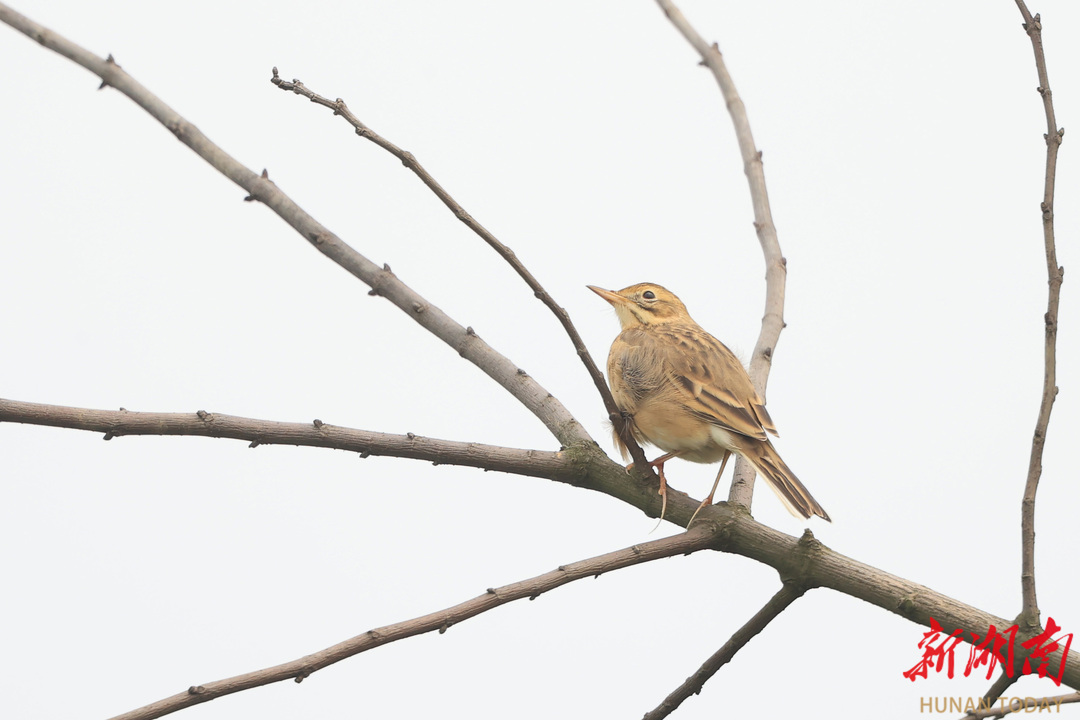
658,463
716,483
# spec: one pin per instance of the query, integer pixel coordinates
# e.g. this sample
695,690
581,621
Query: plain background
904,158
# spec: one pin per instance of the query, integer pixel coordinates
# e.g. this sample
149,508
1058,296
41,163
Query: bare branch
1029,615
742,486
382,281
682,544
409,160
693,684
116,423
1026,704
1003,683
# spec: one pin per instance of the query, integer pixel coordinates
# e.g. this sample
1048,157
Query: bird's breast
672,428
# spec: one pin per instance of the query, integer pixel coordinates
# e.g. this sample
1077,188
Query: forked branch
558,420
409,160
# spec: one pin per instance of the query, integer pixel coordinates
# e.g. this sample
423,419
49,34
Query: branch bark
1029,615
742,485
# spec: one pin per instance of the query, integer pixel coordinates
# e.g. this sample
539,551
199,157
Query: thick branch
742,486
381,280
1029,615
409,160
693,684
682,544
116,423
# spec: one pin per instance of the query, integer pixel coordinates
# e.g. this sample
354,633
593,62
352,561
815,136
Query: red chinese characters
991,649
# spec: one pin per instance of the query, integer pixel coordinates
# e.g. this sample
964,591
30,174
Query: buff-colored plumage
683,391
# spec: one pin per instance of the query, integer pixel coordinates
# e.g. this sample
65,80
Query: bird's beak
612,297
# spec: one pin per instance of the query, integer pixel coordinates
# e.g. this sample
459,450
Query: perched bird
682,390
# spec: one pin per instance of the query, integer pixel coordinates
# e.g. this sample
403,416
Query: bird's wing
706,377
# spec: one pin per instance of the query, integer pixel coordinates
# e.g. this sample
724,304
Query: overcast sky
904,158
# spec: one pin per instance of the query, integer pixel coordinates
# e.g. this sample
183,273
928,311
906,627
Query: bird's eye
649,295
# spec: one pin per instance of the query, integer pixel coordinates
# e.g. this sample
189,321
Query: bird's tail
796,498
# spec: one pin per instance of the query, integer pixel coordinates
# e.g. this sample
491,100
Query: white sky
904,158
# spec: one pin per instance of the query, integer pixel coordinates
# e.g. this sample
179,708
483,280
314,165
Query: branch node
196,690
317,423
491,591
411,436
444,627
204,416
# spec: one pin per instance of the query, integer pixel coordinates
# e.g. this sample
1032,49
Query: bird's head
645,304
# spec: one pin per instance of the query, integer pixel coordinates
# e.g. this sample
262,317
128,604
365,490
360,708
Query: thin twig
409,160
382,281
693,684
742,486
1029,615
1003,683
1026,704
681,544
118,423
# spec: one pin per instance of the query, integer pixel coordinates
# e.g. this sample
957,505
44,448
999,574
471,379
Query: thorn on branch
317,423
445,626
108,436
364,455
253,444
411,436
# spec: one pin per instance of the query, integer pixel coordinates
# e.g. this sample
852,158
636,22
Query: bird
679,388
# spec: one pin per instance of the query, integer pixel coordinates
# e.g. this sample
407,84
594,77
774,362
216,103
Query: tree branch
693,684
1018,704
115,423
382,281
1029,615
742,485
1003,683
442,620
409,160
